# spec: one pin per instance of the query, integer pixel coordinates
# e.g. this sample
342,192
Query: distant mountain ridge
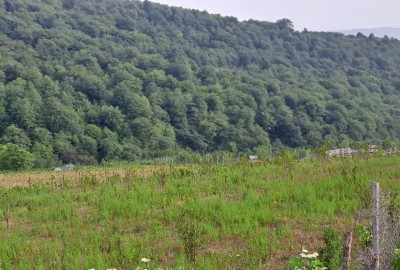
379,32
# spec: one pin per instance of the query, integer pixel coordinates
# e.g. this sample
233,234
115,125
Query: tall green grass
242,216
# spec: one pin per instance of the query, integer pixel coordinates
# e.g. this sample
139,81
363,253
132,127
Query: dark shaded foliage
107,78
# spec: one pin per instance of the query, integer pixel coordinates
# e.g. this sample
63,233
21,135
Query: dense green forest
100,80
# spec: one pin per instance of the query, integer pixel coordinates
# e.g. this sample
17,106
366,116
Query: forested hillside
92,80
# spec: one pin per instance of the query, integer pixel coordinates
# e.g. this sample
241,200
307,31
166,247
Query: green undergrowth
243,216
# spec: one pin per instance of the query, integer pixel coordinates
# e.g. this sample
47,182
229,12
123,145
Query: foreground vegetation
207,216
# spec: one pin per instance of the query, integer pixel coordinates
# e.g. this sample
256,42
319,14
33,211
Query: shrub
14,158
331,254
190,234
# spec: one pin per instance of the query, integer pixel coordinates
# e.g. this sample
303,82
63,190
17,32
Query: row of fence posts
375,234
189,160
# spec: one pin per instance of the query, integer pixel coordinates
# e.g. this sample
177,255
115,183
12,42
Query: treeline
99,80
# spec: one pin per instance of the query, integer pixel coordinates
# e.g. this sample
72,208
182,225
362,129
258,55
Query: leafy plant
287,161
331,254
365,235
191,237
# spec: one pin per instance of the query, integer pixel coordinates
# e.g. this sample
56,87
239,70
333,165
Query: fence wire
389,233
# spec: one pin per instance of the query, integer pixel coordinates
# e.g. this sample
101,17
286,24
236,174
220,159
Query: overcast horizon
311,14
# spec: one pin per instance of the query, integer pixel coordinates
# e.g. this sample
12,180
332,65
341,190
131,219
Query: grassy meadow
205,216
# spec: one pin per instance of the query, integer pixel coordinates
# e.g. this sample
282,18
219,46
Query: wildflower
145,260
305,254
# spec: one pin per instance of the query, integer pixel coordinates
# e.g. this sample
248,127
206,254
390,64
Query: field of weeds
204,216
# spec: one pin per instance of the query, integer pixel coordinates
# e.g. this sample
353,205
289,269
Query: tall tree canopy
118,79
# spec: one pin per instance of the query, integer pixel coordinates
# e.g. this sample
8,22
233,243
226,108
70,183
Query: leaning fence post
347,251
375,225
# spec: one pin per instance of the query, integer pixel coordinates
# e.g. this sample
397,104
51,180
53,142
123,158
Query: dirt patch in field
51,178
302,236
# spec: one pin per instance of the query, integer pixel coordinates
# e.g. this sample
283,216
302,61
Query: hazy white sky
318,15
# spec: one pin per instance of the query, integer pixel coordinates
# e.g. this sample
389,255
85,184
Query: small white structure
344,152
68,167
373,148
252,158
65,168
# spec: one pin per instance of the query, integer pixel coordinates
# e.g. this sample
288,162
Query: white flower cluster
304,254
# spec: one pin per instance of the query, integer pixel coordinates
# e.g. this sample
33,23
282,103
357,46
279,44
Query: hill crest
391,32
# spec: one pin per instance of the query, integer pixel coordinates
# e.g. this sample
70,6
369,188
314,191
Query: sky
316,15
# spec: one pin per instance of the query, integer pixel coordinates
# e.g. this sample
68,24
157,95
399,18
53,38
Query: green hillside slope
87,81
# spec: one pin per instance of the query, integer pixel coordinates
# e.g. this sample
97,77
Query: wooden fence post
8,217
375,225
347,251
